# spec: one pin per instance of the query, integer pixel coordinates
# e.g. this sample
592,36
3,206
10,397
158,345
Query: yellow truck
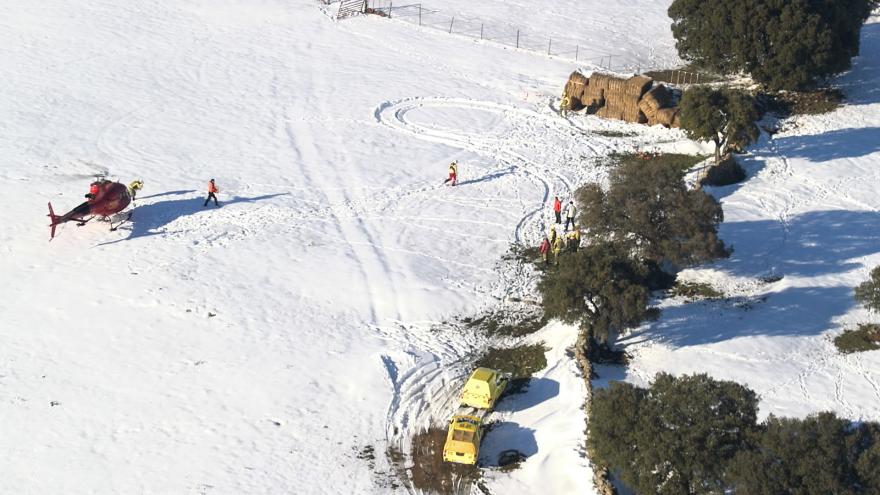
483,388
478,398
463,440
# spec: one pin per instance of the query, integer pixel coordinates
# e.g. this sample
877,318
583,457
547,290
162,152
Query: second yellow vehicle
478,398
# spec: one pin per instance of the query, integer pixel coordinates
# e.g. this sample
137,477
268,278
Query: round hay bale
638,85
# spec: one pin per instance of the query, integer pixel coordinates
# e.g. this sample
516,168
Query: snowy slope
257,347
809,214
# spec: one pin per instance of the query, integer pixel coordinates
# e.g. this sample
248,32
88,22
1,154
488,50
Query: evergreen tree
612,436
868,292
597,286
725,117
650,212
813,456
785,44
674,438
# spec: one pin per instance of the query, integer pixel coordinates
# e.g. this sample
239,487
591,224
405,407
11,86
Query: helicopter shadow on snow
151,219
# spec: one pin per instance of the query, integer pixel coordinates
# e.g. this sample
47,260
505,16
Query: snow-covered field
256,347
259,347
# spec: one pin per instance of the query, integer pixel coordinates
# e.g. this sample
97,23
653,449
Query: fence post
420,14
517,38
450,24
481,30
549,44
576,49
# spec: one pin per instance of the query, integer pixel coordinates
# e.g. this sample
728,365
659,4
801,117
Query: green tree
868,292
597,286
785,44
725,117
650,212
612,432
676,437
813,456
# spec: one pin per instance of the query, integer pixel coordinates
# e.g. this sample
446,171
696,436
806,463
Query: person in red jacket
557,208
545,250
212,191
453,173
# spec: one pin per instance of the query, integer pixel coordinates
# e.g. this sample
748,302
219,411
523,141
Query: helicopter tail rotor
54,219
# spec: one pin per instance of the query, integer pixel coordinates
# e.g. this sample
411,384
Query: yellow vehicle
483,388
463,440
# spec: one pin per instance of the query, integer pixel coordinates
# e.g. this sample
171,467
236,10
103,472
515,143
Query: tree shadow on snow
503,436
814,244
151,219
832,145
860,84
537,391
795,311
811,244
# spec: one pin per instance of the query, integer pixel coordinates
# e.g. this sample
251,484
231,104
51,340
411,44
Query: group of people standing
554,242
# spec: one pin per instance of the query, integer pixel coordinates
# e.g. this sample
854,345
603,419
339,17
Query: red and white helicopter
105,198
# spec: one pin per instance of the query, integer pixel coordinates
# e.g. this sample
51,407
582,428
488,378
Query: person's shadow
488,177
151,219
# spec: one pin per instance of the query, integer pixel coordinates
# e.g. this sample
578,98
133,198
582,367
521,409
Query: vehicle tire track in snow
393,115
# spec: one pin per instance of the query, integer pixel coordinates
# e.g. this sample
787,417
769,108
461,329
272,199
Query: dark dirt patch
512,324
430,473
678,160
693,291
521,362
817,102
865,338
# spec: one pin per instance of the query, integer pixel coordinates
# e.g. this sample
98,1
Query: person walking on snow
134,187
545,251
557,248
557,209
453,173
570,212
552,234
212,191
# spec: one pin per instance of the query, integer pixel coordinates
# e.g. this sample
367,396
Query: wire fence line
508,35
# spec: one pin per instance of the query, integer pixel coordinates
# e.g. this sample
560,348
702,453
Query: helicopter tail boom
54,219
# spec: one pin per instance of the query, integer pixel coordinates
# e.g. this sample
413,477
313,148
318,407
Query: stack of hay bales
632,100
574,90
659,97
656,106
621,96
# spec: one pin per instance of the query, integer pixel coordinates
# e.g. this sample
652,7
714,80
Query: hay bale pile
656,105
574,90
659,97
618,98
635,99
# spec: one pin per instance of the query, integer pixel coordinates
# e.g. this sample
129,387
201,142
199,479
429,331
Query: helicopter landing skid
127,218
